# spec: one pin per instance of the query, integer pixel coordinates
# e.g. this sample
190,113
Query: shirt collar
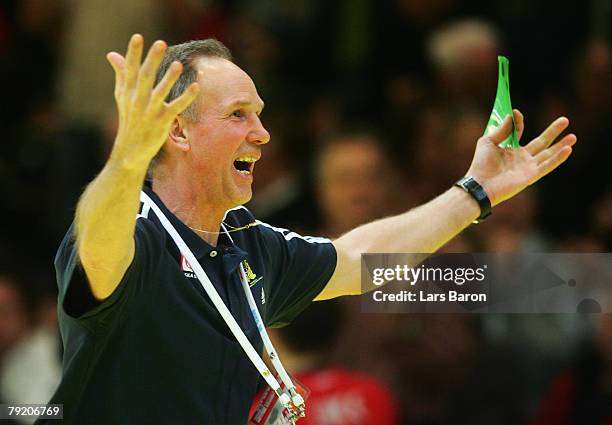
198,246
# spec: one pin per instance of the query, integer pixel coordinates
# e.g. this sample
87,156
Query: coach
143,342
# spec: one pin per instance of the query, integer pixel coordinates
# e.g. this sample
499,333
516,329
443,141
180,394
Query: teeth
243,160
246,159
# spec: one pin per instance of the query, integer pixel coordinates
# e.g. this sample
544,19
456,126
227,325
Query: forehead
224,83
352,148
347,154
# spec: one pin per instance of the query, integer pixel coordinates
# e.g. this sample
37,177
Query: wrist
471,186
128,160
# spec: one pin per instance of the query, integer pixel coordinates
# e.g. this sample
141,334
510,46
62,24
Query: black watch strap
472,187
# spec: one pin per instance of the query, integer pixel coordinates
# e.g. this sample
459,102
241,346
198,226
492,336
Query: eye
239,113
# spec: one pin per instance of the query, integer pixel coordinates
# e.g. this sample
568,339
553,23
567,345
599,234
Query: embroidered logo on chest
252,278
186,268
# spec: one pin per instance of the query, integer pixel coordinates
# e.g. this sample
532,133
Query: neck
191,207
297,363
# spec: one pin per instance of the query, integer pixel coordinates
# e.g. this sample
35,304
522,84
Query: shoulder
289,235
149,228
242,216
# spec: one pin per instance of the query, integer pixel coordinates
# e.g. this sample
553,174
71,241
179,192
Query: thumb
503,131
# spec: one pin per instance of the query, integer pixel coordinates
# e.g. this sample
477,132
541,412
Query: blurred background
374,107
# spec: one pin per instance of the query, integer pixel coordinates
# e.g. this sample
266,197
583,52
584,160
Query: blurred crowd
374,107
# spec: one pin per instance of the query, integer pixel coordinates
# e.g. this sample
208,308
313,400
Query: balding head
187,54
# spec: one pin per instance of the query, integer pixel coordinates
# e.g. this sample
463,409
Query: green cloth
502,106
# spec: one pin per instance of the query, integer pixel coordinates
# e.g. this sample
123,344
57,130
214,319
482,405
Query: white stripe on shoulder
288,234
145,211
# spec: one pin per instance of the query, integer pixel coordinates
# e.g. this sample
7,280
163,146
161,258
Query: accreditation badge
268,410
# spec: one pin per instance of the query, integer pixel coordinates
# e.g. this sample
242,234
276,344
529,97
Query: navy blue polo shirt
157,351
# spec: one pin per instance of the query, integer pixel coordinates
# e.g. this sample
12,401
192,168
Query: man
143,344
582,393
353,181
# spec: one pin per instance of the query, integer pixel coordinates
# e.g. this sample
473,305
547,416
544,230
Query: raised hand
144,116
106,213
505,172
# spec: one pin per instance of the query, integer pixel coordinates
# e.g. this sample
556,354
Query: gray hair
186,53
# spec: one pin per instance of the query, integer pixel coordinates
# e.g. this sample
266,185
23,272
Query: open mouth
245,165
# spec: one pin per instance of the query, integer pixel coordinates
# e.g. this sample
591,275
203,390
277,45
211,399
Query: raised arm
502,173
106,213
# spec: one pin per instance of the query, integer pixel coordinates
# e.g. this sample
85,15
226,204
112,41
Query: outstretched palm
505,172
144,115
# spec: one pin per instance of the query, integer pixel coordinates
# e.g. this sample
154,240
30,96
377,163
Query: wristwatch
472,187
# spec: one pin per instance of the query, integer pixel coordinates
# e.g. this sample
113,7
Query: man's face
226,139
353,183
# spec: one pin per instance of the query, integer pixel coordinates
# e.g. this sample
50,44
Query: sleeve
299,267
556,406
380,403
75,296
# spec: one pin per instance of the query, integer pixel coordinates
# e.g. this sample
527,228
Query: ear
177,135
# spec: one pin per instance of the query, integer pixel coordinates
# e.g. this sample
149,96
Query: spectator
33,367
354,181
459,51
14,322
582,395
338,396
13,314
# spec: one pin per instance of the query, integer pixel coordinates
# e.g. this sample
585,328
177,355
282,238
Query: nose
258,135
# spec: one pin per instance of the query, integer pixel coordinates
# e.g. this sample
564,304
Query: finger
502,132
518,122
165,85
132,59
554,161
568,140
146,76
117,62
545,139
179,104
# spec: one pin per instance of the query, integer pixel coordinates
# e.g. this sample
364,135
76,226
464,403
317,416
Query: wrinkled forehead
224,82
